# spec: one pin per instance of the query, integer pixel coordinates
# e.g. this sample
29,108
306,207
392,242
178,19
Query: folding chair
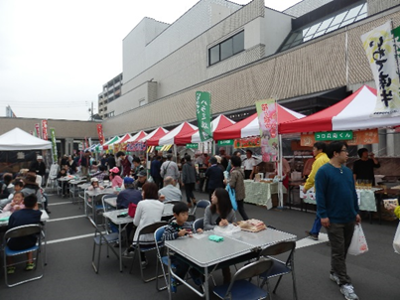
161,260
17,232
99,239
239,288
279,267
201,204
107,207
198,223
141,247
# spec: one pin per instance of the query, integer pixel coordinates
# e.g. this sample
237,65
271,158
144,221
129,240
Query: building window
226,49
329,24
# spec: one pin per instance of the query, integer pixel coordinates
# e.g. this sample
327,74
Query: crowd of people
337,204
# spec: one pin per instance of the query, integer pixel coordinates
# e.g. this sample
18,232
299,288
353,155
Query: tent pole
280,185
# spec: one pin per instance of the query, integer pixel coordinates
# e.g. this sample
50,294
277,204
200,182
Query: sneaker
348,292
174,288
10,270
334,277
128,252
312,236
29,266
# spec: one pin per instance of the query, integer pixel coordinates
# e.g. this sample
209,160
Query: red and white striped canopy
250,127
156,134
352,113
122,139
141,134
169,139
218,123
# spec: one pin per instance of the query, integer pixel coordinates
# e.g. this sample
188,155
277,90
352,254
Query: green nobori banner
53,144
192,146
203,114
334,135
225,142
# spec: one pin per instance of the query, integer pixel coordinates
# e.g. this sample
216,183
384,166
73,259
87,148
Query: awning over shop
218,123
250,127
352,113
169,139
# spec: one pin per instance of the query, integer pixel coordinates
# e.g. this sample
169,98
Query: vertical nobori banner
44,130
37,130
203,113
100,133
268,122
54,144
379,45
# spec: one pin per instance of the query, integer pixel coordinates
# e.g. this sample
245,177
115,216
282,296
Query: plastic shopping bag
396,240
358,243
232,196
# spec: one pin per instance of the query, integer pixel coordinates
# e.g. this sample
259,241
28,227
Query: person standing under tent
364,167
249,164
319,152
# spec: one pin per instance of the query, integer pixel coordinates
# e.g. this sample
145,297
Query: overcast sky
56,55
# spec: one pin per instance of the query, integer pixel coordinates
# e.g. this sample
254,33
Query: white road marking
306,242
70,238
66,218
59,203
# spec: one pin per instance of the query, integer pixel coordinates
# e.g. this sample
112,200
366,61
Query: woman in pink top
17,203
116,180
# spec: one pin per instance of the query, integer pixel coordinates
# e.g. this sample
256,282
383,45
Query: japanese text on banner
100,133
268,122
53,144
44,130
203,114
37,130
381,52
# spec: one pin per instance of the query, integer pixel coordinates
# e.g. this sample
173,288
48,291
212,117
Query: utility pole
91,116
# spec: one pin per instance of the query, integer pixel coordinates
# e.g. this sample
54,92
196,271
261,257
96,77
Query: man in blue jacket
337,206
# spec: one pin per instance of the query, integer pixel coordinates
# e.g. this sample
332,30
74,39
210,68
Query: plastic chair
199,223
98,240
201,204
143,248
279,267
239,288
17,232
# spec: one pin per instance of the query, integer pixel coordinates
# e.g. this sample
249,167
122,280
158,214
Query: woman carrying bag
236,182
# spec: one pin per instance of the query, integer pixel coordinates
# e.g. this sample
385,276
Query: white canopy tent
17,139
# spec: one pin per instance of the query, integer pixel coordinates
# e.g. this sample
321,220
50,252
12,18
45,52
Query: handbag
232,196
396,240
358,243
132,209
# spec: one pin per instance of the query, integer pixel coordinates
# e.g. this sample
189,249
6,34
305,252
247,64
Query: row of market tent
352,113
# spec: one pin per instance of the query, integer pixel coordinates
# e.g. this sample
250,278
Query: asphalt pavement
69,274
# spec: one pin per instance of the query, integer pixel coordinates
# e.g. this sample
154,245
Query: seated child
28,215
16,203
178,228
95,185
18,185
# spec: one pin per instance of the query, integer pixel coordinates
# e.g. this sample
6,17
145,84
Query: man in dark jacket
155,171
215,177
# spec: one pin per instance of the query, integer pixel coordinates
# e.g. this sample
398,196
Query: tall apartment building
111,91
